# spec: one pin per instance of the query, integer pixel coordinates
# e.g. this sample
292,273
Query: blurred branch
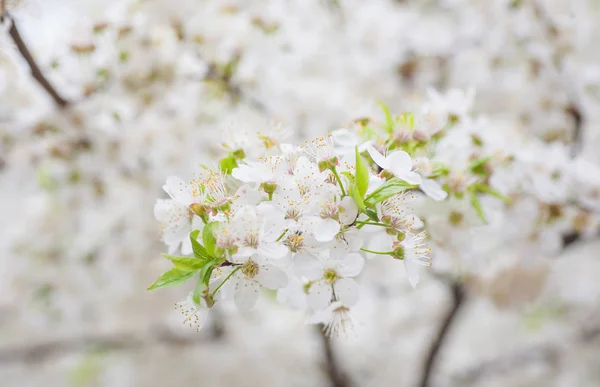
458,298
336,376
573,108
35,70
32,353
545,353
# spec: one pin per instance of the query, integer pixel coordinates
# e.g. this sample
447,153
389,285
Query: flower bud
398,252
198,209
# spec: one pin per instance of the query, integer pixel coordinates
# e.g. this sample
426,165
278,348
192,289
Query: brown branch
336,376
33,353
458,298
35,70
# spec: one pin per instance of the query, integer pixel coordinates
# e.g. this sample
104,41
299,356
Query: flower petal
348,210
412,272
347,291
305,265
319,295
272,277
432,189
379,159
245,294
326,230
272,250
409,177
399,162
178,190
351,265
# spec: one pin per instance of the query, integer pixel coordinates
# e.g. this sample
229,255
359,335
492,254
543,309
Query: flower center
330,276
250,269
294,242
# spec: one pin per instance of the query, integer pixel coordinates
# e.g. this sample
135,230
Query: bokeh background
149,84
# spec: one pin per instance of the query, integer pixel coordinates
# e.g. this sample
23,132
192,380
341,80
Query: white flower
416,253
250,277
330,277
336,319
398,163
194,315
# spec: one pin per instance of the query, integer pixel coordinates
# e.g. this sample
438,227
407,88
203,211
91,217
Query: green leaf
197,290
389,120
186,263
172,277
488,190
207,270
358,199
227,164
199,251
362,175
477,205
209,239
388,189
372,215
478,166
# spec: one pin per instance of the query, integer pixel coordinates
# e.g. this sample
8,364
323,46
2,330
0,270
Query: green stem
282,235
378,252
337,177
225,280
371,224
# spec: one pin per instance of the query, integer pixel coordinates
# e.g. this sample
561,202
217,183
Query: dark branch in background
458,298
573,108
35,70
32,353
336,376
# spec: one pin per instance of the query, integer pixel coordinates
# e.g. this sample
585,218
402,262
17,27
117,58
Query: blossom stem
377,252
225,280
282,235
339,180
371,224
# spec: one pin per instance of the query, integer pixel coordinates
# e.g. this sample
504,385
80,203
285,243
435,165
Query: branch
458,298
35,70
33,353
336,376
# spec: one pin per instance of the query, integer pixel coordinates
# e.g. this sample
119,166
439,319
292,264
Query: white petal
349,210
399,162
378,157
271,277
432,189
326,230
178,190
305,265
245,294
412,271
248,173
409,177
319,295
272,250
347,291
351,265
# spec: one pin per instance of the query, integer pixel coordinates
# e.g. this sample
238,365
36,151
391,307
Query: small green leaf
478,166
477,205
227,164
199,251
372,215
358,199
186,263
387,190
172,277
207,270
209,239
197,290
389,120
362,175
487,189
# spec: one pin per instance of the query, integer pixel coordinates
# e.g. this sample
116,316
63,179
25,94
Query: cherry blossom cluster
296,218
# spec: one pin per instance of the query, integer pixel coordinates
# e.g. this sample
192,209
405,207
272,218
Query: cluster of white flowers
296,219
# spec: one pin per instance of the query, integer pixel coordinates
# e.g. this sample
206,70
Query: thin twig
458,298
33,353
336,376
35,70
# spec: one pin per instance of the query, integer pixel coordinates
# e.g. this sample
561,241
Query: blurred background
141,90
